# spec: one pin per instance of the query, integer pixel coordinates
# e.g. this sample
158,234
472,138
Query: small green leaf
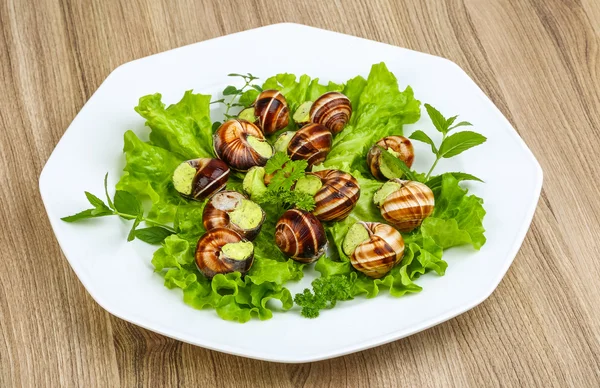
435,183
127,203
450,121
110,203
438,120
218,101
461,124
422,136
236,75
95,201
153,234
459,142
89,213
229,90
397,166
257,88
131,234
216,126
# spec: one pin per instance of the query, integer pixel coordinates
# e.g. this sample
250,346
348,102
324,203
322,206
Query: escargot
299,235
374,248
222,250
333,110
311,143
271,111
241,145
200,178
398,146
335,192
404,204
230,209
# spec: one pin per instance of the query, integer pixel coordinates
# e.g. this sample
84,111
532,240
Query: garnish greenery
451,145
249,91
279,194
325,294
128,207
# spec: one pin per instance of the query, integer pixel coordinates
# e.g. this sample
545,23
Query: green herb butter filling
183,178
309,184
302,114
254,182
282,142
247,215
385,190
248,115
261,146
238,251
386,171
357,234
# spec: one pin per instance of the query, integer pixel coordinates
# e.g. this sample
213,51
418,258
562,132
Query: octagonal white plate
119,275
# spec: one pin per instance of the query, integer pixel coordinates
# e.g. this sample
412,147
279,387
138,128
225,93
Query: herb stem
437,159
230,103
144,219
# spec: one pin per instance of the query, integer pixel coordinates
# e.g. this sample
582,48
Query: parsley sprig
128,207
327,291
279,194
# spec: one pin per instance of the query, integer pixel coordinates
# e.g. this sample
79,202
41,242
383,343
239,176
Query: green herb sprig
451,145
128,207
327,291
236,93
279,194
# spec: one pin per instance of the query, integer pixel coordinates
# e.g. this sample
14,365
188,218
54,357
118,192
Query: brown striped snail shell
241,145
271,111
211,258
311,143
299,235
337,196
200,178
380,250
333,110
408,206
230,209
399,146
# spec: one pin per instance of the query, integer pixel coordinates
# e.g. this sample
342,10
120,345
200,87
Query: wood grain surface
538,60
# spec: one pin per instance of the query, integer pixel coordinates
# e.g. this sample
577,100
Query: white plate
119,275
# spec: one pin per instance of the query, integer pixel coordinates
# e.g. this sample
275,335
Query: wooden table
538,60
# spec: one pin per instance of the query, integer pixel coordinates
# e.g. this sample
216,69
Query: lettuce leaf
379,109
148,173
184,128
233,298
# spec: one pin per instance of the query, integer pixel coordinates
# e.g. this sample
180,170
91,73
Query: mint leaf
127,203
110,203
459,142
97,202
131,234
438,120
230,90
398,167
89,213
422,137
153,234
461,124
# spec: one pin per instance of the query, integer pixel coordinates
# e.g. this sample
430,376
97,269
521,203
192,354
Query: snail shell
299,235
311,143
407,207
217,214
231,144
376,256
333,110
272,111
337,197
210,258
200,178
399,145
